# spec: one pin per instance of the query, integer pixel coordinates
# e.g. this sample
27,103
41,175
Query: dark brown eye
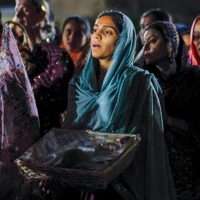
152,41
108,32
68,32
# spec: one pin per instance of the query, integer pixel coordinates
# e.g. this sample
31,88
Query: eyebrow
151,36
108,27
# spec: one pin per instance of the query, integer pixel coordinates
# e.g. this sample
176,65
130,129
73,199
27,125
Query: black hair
185,32
80,20
158,15
116,17
183,29
157,27
166,36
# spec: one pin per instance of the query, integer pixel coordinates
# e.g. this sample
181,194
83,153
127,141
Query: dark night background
182,11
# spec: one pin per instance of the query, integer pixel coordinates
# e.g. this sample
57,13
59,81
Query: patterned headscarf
193,55
179,56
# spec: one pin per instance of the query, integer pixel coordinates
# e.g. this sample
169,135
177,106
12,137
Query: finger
41,183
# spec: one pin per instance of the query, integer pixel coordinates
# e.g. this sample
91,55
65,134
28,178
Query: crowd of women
112,80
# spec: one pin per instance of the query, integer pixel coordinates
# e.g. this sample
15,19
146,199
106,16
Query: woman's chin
148,62
94,55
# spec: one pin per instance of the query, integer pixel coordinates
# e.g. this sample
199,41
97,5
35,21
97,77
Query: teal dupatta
129,102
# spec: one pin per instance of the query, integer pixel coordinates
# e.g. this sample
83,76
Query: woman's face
73,36
104,38
155,48
26,14
196,38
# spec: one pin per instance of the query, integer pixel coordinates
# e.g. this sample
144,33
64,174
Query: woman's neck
104,66
34,37
166,69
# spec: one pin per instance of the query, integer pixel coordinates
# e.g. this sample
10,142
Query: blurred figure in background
150,16
184,30
48,28
0,15
76,40
48,25
50,68
195,42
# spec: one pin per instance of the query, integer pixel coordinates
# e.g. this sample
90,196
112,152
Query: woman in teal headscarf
111,95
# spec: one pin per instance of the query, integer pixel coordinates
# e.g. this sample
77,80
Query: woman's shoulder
134,73
142,76
134,70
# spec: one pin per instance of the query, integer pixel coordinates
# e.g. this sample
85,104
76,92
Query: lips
146,55
69,43
96,46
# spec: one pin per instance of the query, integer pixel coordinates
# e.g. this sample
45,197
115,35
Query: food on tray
76,159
